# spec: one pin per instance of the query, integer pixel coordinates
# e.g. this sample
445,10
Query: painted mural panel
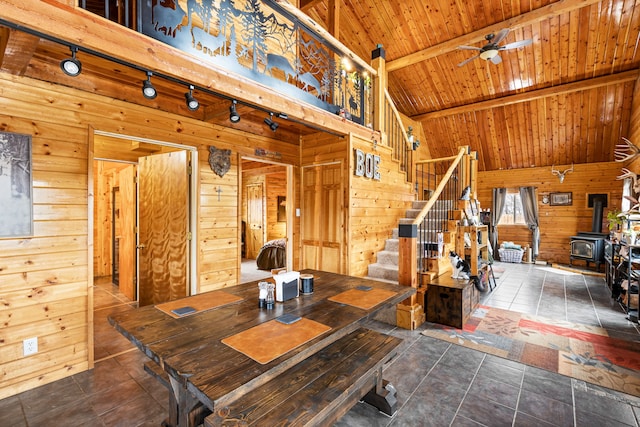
259,40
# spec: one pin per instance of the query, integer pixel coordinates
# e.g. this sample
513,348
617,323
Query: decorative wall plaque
219,160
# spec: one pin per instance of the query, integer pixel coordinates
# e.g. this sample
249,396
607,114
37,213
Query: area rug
580,351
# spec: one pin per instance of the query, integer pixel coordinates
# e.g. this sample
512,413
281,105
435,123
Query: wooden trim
90,247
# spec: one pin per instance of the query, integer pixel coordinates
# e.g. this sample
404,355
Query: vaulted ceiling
565,98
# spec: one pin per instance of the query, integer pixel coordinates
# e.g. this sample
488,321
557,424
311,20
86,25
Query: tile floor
438,383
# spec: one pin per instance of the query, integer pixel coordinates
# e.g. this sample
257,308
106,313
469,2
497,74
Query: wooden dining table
201,352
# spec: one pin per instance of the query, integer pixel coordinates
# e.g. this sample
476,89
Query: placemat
362,299
272,339
199,303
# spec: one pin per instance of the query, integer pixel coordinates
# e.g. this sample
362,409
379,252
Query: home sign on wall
367,165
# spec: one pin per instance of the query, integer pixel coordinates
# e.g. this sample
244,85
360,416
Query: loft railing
268,41
396,135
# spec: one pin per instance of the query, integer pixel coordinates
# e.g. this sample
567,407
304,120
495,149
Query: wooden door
127,232
322,218
255,220
163,188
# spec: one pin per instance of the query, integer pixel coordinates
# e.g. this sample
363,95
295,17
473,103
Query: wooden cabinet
473,244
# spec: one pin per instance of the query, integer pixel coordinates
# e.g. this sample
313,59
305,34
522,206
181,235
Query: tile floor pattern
437,383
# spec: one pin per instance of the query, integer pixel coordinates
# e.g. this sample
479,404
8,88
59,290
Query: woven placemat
199,303
272,339
362,299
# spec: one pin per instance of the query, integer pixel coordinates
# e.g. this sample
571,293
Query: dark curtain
497,209
530,210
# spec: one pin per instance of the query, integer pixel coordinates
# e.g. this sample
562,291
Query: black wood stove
589,245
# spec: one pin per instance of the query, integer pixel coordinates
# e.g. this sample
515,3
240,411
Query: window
513,214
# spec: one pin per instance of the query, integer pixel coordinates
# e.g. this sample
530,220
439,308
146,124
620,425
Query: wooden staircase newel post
378,62
408,258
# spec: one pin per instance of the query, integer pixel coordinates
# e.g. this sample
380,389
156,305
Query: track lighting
71,66
192,103
269,122
234,117
148,90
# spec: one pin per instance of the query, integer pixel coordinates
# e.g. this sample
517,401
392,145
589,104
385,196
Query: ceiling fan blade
496,59
517,44
466,61
500,36
469,48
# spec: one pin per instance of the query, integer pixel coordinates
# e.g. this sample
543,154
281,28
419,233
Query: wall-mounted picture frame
16,185
561,199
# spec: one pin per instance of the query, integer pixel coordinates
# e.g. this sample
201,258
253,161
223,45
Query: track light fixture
192,103
269,122
148,90
234,117
71,66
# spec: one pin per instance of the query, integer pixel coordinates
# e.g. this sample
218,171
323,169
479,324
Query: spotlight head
192,103
234,117
148,90
269,122
71,66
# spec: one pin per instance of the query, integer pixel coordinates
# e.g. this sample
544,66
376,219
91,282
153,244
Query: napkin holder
287,285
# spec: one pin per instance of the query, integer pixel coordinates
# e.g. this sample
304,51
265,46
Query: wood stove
589,245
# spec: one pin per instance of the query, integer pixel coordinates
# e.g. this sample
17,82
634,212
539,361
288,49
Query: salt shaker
262,296
270,300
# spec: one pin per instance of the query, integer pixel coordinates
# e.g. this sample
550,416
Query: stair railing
448,187
397,138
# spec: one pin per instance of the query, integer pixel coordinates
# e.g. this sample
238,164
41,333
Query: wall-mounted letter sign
367,165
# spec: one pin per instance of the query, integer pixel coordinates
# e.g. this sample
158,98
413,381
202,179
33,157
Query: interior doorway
143,205
266,217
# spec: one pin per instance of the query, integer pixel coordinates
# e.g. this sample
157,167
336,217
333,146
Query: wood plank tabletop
190,349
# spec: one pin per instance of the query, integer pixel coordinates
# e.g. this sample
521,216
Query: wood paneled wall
45,278
557,223
374,206
276,185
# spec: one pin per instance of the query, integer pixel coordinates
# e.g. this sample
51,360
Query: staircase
386,267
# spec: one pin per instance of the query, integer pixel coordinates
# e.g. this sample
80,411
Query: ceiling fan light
488,54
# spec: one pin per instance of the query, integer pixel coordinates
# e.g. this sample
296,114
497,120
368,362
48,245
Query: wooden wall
375,207
45,279
557,223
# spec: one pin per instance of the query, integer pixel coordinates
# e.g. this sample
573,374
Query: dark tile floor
437,383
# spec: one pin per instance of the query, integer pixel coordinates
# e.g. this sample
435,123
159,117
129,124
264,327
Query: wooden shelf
479,246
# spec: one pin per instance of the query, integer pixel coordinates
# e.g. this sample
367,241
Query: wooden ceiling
566,98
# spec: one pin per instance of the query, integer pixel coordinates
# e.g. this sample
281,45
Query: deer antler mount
626,151
561,174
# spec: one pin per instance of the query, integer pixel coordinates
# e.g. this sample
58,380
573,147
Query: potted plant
616,220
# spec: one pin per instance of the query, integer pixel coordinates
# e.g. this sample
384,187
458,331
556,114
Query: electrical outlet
30,346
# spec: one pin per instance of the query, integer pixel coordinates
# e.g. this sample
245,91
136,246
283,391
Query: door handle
141,246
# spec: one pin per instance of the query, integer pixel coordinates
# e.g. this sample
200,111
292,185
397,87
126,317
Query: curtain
499,197
530,210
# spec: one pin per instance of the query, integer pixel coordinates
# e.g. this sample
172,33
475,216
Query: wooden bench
320,389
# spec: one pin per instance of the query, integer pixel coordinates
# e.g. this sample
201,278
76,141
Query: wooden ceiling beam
537,15
17,49
308,4
613,79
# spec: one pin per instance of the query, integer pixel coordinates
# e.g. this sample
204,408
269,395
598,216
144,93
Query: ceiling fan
489,52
